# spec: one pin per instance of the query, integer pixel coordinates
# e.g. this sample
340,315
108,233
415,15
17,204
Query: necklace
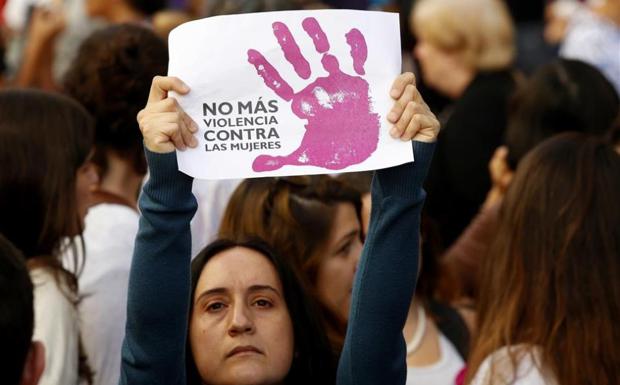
416,341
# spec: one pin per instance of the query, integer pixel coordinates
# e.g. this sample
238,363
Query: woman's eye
345,249
263,303
216,306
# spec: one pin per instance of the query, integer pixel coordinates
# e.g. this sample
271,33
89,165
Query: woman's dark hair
565,95
44,139
551,278
294,215
148,7
16,312
111,77
314,362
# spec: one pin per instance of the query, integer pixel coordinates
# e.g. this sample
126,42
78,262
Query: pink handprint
342,129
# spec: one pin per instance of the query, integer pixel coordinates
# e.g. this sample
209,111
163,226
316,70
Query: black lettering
273,106
210,109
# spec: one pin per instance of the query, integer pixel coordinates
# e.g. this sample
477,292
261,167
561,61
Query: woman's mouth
246,349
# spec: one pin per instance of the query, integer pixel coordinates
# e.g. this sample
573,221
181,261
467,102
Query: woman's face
436,65
337,269
240,329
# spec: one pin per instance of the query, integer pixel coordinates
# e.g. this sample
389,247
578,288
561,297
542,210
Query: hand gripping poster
289,93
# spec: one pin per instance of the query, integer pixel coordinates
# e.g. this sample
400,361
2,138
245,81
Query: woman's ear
34,365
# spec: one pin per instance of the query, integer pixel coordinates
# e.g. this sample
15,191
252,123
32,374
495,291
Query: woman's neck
121,179
458,82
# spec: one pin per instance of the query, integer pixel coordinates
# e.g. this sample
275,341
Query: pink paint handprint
341,130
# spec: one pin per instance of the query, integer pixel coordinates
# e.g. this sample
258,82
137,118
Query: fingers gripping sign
164,125
342,129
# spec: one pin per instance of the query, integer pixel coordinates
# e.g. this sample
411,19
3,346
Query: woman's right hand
164,125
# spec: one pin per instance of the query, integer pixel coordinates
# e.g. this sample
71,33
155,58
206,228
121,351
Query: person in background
593,35
437,335
111,77
549,290
565,95
466,50
45,182
22,360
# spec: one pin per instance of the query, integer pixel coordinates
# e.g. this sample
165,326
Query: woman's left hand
411,116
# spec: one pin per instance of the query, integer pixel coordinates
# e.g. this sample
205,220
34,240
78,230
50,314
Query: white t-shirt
109,234
56,326
443,372
528,372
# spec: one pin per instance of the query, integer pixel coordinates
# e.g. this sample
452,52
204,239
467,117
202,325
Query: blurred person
565,95
43,37
45,26
593,35
314,222
111,78
466,50
45,182
550,295
22,360
437,336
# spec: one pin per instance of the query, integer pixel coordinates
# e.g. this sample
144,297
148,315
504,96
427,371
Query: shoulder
110,224
111,214
49,292
526,369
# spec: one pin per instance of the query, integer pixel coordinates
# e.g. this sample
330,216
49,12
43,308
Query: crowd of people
492,259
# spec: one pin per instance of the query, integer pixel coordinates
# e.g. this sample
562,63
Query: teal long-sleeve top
158,302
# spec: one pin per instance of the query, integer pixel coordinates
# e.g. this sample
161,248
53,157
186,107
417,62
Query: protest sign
288,93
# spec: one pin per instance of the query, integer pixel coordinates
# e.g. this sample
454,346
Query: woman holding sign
238,315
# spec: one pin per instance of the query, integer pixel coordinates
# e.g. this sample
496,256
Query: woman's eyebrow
206,293
223,290
254,288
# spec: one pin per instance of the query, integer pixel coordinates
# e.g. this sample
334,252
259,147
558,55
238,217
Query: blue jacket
159,283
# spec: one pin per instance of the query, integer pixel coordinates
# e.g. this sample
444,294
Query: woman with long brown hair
550,295
45,179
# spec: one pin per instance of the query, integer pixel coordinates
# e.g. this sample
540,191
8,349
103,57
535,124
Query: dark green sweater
159,283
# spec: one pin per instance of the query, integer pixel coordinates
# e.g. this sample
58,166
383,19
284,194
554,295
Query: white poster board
289,93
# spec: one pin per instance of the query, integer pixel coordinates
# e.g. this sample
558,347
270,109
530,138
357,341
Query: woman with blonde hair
466,50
